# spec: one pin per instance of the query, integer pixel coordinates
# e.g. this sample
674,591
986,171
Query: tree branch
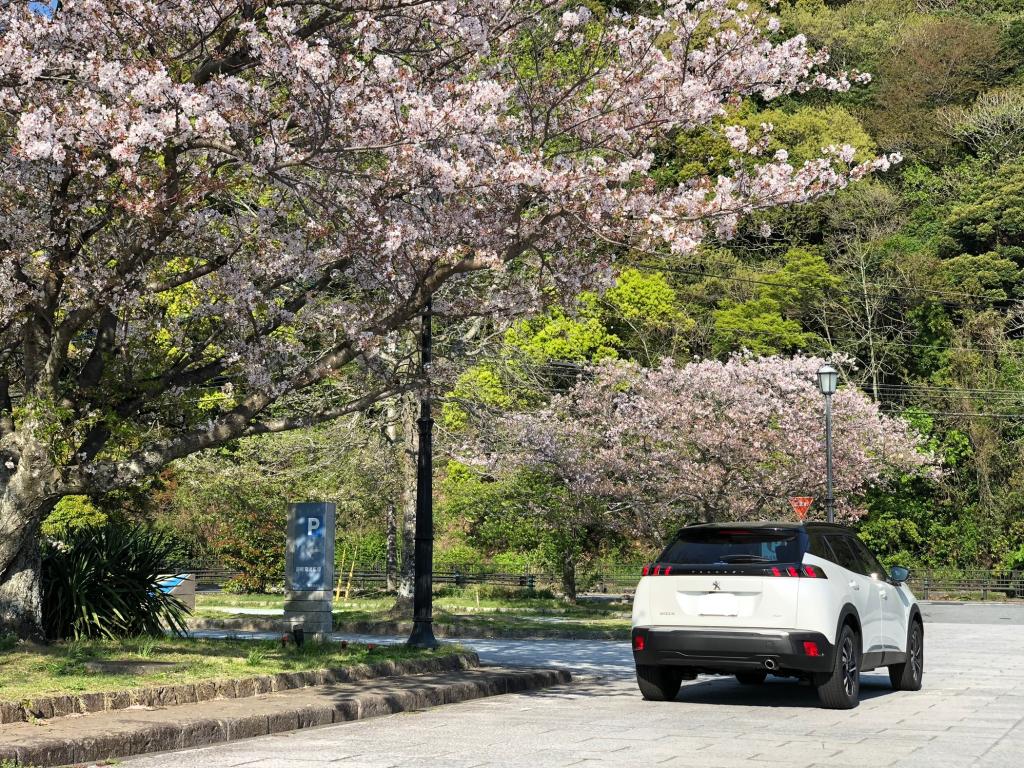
92,371
301,422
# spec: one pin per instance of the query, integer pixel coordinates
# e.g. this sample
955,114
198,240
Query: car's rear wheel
751,678
658,683
908,675
840,688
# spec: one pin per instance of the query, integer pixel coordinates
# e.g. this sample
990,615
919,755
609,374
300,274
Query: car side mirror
898,574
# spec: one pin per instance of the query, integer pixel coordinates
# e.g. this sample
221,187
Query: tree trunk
569,575
21,601
409,448
23,505
391,556
403,437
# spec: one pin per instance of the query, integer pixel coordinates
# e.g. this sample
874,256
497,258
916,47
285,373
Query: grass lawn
465,607
547,626
225,599
462,601
28,671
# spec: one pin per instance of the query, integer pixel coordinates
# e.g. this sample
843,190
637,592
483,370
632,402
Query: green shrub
1013,560
248,584
458,554
499,592
515,562
103,583
362,546
73,513
251,538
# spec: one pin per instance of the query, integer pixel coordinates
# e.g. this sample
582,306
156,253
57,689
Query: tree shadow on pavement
779,692
774,693
581,657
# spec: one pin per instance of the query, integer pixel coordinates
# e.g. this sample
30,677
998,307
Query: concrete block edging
194,731
46,707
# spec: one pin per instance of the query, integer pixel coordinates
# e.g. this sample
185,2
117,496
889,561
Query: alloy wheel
916,654
849,662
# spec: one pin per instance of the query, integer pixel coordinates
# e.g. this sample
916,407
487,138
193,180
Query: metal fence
604,577
934,584
618,578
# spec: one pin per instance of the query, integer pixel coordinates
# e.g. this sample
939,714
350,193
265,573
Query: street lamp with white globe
828,379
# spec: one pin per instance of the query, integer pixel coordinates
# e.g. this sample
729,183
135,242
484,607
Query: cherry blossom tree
712,441
217,217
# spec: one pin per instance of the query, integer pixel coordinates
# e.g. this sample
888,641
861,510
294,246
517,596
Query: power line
965,414
893,389
880,287
883,342
952,388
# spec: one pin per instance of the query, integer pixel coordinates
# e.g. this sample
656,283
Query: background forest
913,278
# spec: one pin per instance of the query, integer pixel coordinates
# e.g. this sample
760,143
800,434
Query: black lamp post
423,581
828,379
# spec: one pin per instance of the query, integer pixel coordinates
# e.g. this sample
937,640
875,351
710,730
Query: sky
44,8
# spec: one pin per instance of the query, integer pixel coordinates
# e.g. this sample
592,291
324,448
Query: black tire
751,678
909,675
840,689
658,683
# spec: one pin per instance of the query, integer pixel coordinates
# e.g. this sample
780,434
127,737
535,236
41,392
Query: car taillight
811,649
656,569
638,642
808,571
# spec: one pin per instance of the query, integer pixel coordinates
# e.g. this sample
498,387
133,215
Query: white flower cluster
267,199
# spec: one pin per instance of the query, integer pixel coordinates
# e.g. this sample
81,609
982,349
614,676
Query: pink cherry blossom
269,192
712,441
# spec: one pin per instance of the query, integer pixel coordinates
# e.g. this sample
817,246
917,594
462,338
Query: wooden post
348,584
341,570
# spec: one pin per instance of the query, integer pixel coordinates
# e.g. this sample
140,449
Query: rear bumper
727,651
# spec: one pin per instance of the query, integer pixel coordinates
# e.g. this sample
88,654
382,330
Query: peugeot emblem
716,585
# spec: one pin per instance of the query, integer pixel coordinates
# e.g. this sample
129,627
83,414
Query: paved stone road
971,714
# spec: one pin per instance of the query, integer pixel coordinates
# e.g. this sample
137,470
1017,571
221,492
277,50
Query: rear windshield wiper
744,559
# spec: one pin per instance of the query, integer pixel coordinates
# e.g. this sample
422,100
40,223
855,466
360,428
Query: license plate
718,604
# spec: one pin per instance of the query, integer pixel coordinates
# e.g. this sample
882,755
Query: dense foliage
218,220
912,278
102,582
709,441
235,498
627,220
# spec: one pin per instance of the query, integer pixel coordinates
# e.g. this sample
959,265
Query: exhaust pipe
771,664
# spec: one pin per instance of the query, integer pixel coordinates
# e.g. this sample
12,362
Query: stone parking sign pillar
309,568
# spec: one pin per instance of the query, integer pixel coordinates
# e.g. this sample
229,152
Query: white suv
794,600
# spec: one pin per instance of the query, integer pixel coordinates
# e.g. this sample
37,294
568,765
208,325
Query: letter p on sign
312,526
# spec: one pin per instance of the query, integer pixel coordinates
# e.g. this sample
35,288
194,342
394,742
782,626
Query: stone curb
124,737
230,688
441,629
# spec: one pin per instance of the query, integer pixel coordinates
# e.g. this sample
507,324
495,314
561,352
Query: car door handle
855,585
884,593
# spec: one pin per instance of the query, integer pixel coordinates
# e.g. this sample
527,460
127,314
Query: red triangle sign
800,505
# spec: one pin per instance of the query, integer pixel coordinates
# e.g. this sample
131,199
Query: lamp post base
422,636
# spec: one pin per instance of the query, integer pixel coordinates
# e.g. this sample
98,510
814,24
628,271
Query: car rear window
731,546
